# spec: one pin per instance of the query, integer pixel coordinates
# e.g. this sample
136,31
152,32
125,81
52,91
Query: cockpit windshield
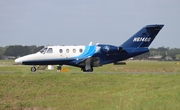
43,50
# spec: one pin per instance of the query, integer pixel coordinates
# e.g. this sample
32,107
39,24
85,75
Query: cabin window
67,50
60,51
50,50
80,50
74,50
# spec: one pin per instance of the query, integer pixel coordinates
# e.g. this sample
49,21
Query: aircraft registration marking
142,39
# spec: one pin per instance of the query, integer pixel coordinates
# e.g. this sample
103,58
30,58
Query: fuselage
75,55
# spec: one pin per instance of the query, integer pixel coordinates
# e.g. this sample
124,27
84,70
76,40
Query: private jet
86,57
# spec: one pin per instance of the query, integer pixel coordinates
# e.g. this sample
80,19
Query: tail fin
144,37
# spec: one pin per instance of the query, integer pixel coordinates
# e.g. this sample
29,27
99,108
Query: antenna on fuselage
90,43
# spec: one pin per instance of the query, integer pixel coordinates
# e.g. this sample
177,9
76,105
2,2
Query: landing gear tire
89,70
33,69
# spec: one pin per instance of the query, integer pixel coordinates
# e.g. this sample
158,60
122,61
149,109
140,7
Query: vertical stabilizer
144,37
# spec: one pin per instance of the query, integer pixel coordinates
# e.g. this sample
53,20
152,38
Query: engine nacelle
108,49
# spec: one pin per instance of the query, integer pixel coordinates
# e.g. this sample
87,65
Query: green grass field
139,85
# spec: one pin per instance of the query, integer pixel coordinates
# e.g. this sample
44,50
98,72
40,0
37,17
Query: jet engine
108,49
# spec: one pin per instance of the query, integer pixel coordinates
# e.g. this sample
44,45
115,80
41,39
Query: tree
178,56
19,50
16,51
1,52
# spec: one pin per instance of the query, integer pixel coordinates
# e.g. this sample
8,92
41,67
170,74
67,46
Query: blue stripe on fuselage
89,51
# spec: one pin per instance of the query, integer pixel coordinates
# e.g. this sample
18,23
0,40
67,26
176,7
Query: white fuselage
59,52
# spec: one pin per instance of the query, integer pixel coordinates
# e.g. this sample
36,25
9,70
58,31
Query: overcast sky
77,22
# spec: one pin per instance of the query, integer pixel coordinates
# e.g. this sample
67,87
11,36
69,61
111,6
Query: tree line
160,53
18,50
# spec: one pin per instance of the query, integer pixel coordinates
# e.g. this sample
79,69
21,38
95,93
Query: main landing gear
33,69
88,67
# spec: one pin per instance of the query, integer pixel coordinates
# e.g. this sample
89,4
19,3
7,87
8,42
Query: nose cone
18,61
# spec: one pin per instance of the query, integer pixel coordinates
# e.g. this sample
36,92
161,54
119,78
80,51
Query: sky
78,22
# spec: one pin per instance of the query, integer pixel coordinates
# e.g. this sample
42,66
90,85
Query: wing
94,61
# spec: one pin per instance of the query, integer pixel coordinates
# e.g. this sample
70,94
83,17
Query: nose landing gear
33,69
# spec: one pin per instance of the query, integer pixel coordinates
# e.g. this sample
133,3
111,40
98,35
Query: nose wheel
33,69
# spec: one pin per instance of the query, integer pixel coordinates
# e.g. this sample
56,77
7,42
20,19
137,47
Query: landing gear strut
33,69
88,67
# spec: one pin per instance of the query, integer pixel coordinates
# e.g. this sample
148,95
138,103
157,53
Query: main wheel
89,70
33,69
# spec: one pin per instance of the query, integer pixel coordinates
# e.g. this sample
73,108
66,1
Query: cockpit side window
50,50
43,50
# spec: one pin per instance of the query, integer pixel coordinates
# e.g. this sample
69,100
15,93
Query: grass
50,90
